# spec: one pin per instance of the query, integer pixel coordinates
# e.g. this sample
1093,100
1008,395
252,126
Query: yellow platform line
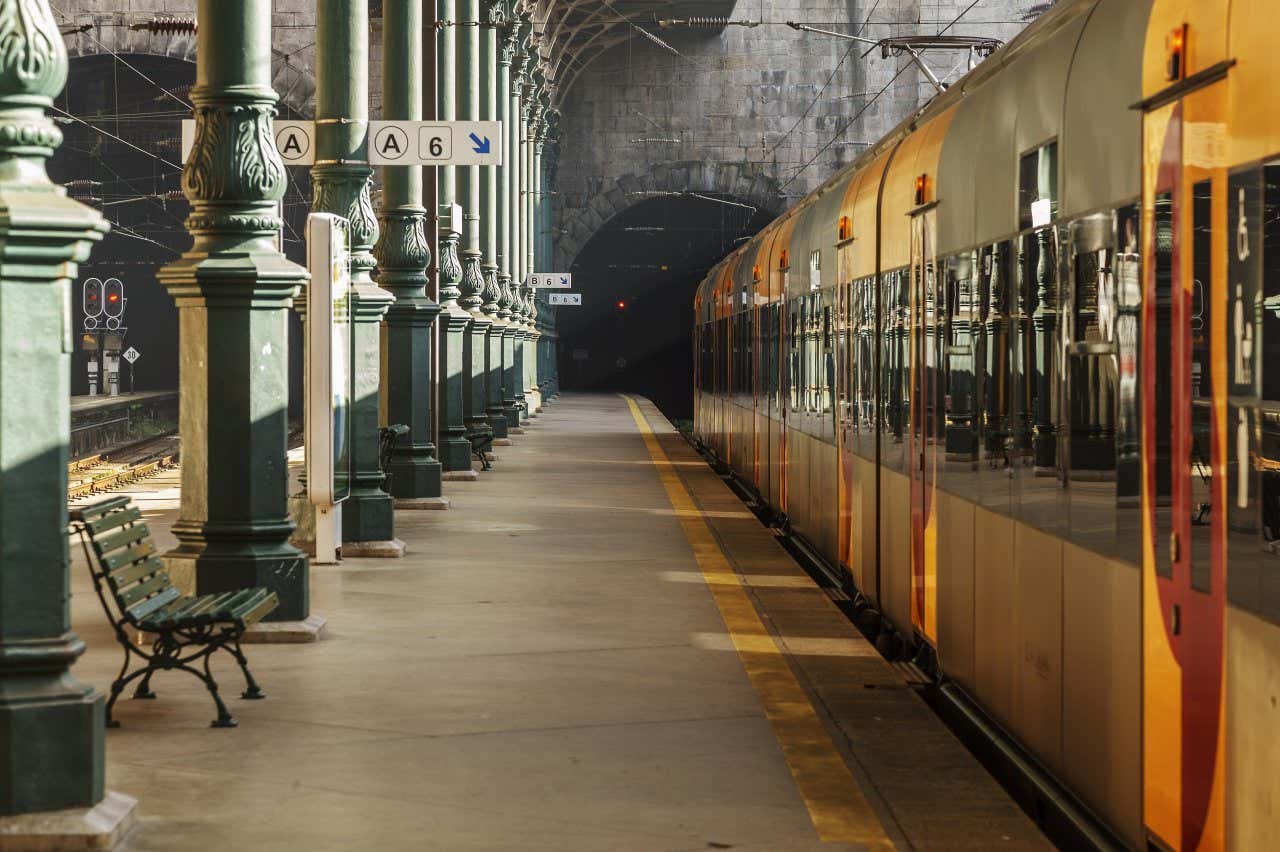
836,805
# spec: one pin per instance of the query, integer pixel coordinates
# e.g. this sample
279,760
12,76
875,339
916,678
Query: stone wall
763,113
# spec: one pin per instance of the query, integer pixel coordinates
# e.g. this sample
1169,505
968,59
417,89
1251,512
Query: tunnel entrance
638,275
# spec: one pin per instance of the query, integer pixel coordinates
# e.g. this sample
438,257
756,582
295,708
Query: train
1014,375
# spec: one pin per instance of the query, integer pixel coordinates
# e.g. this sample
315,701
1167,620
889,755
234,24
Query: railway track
123,465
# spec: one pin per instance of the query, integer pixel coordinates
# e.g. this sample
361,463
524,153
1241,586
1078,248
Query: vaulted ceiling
575,32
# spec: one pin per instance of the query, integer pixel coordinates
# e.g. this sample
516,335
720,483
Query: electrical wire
865,106
116,138
122,60
852,46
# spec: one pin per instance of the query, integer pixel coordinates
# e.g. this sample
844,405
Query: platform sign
329,358
427,143
563,299
295,140
551,281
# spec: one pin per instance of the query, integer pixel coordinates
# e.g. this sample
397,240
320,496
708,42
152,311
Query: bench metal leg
144,691
252,691
225,719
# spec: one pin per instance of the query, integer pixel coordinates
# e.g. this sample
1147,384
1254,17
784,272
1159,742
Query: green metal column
537,114
403,254
50,724
519,271
476,340
455,450
342,179
509,301
491,297
234,290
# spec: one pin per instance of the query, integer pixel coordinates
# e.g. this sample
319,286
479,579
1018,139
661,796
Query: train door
1198,357
925,425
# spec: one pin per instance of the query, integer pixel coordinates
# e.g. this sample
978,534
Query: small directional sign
422,143
132,354
564,298
551,281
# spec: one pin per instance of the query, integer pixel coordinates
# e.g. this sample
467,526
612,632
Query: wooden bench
136,593
481,443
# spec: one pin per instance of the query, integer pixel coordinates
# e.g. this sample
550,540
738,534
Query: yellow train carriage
1008,374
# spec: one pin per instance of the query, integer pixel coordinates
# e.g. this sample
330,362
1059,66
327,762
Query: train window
1267,458
828,360
793,367
815,270
1253,415
1128,293
1162,366
1200,321
1038,187
893,368
962,318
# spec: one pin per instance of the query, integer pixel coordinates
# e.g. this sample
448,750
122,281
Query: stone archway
742,182
295,84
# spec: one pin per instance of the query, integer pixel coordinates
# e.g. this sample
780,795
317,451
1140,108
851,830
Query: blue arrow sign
482,146
564,282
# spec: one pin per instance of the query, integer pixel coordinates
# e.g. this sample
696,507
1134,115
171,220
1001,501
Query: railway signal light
92,303
113,302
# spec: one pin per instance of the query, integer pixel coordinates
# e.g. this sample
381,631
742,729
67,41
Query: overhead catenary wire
844,127
826,85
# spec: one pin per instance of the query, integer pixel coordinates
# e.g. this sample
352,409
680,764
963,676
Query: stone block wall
763,113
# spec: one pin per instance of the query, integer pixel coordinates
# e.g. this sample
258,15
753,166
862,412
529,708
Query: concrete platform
559,662
82,404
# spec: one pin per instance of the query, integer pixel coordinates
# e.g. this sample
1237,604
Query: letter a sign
294,140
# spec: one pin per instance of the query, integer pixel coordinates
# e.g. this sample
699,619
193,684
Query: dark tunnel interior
638,275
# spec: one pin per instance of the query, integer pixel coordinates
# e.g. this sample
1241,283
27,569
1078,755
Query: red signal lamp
1176,62
622,306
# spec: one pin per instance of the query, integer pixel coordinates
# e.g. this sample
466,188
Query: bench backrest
123,559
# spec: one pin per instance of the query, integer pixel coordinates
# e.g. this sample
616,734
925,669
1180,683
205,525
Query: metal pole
403,253
476,340
51,755
234,290
491,298
509,304
342,179
455,450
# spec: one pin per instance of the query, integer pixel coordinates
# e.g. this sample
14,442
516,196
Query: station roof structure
575,32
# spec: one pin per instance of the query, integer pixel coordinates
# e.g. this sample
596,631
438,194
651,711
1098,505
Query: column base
415,479
501,442
518,430
281,568
301,632
455,455
387,549
497,421
421,503
461,475
102,826
368,515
